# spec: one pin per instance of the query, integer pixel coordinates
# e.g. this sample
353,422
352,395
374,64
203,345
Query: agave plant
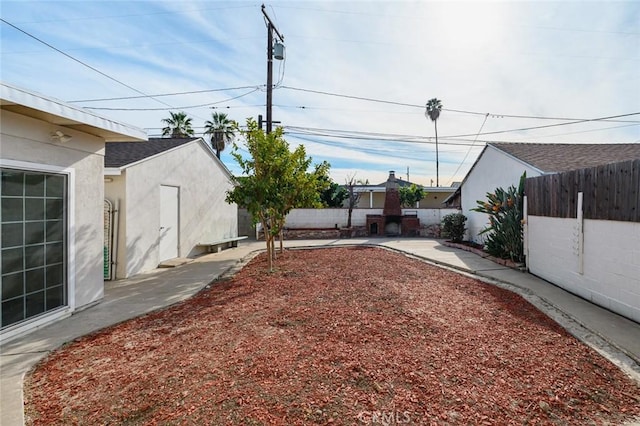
505,210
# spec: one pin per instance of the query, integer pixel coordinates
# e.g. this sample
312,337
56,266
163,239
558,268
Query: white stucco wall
204,216
28,140
611,260
493,169
329,218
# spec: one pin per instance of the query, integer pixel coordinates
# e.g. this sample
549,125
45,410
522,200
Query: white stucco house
502,164
52,162
169,195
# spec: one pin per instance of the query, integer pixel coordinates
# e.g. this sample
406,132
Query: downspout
114,239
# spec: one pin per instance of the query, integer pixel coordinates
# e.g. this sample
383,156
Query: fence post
580,229
525,230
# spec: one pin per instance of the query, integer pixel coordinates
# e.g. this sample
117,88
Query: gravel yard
334,336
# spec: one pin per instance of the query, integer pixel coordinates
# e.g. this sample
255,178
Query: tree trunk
349,218
268,238
273,248
269,255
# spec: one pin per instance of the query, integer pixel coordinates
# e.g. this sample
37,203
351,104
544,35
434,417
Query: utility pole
271,29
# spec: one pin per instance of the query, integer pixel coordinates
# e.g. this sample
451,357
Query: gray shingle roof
399,180
558,157
118,154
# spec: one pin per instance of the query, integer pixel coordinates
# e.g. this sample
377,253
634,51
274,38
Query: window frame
64,310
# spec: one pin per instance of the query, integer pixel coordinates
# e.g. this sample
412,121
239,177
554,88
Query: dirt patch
342,336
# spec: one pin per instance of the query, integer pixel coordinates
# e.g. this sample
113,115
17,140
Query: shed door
169,220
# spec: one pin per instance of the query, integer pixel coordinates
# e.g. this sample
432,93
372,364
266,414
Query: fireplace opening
392,226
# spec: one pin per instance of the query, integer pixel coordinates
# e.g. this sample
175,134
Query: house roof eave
56,112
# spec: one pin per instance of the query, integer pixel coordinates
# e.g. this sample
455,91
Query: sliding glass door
33,220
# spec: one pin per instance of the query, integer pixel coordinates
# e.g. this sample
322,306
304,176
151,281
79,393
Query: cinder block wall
611,260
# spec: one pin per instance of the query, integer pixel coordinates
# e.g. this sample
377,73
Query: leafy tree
334,195
178,125
221,129
434,106
275,180
410,195
504,233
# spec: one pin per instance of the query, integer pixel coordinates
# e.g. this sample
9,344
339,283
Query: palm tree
221,129
178,125
434,106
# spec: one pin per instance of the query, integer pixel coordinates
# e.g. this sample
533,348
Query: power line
132,45
359,135
83,63
414,17
587,131
373,136
371,151
89,18
469,150
313,130
494,115
181,107
360,98
491,115
192,92
586,120
238,106
523,128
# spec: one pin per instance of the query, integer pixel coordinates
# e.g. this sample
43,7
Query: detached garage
168,196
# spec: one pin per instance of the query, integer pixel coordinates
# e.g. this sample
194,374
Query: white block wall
611,260
329,218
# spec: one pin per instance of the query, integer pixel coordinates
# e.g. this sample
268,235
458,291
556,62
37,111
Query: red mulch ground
342,336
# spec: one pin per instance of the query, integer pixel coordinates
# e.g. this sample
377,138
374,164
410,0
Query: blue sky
497,67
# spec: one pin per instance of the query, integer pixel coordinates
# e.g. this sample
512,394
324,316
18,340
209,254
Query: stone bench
218,246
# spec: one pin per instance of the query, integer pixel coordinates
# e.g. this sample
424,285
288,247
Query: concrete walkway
613,336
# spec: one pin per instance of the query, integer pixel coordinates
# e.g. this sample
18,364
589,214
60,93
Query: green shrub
453,226
504,233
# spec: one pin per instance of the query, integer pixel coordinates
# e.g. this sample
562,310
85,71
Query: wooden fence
610,192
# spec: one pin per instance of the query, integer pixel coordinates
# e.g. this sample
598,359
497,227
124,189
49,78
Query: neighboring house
502,164
170,197
373,195
379,213
51,160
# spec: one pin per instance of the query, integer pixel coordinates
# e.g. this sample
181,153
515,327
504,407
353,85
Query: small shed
168,196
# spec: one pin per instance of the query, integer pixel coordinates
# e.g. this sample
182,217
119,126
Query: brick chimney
392,196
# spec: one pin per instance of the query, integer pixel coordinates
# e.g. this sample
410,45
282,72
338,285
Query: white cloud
517,58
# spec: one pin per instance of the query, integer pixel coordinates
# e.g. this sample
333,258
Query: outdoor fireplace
392,223
392,211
